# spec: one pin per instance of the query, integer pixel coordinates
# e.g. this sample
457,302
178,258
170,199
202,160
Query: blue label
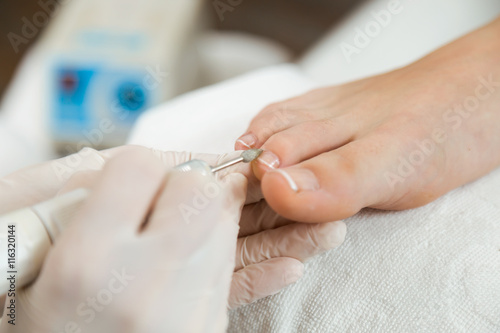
83,97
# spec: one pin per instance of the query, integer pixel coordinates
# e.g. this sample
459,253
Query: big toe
331,186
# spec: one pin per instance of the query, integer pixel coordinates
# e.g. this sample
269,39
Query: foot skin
395,141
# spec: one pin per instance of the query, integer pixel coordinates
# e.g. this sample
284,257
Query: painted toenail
247,141
299,179
269,160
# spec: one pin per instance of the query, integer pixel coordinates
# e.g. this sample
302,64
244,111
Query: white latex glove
272,254
271,251
147,253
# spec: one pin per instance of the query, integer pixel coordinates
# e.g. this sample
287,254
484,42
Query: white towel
211,119
432,269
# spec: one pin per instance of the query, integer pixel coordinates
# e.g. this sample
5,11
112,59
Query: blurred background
296,24
79,73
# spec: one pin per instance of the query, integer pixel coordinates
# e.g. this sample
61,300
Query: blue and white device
96,105
111,60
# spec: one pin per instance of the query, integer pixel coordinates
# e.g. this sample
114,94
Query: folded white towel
432,269
211,119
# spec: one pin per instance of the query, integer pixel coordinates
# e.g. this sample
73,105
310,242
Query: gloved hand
271,249
147,253
42,182
272,253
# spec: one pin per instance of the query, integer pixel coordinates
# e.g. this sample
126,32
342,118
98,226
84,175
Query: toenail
299,179
269,160
248,141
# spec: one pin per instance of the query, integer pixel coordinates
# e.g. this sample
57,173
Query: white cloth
415,29
210,120
432,269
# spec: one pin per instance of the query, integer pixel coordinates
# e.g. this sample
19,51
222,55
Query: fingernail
294,274
299,179
247,141
270,160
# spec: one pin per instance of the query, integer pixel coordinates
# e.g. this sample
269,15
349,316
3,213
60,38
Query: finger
259,217
193,203
56,173
82,179
172,159
333,185
304,141
125,193
254,193
45,179
192,237
300,241
267,278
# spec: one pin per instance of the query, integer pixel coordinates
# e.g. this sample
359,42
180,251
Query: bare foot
395,141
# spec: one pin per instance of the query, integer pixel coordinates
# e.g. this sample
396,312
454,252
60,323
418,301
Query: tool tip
251,154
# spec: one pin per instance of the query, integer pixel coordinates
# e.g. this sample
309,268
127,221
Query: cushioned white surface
432,269
211,119
417,28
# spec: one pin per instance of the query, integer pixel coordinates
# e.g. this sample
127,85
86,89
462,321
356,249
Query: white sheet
432,269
